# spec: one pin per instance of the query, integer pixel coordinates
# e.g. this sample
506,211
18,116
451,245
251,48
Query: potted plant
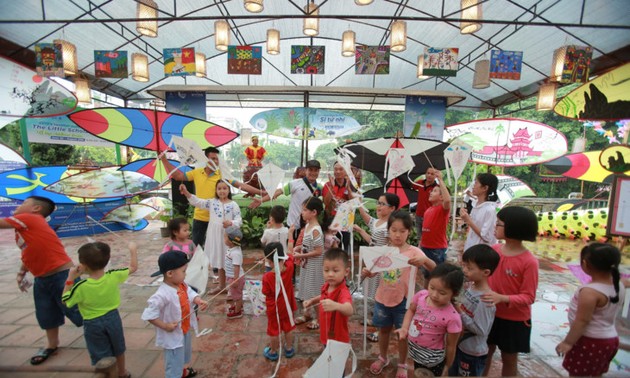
165,216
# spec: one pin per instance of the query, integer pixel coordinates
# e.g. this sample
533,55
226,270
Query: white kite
188,152
456,157
197,271
398,162
253,290
332,362
270,176
344,221
279,287
344,158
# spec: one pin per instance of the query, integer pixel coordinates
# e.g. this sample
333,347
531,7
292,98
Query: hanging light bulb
481,79
147,9
420,71
254,6
471,11
546,97
347,43
398,36
273,41
82,90
363,2
557,64
140,65
311,24
200,64
221,35
68,56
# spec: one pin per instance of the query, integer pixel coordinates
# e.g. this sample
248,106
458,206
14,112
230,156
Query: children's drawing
110,64
506,64
245,60
371,60
179,62
48,60
344,218
253,291
440,61
397,163
308,59
577,62
456,156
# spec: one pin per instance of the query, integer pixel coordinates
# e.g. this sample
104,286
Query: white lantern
147,9
398,36
273,41
68,56
546,97
348,43
221,35
311,24
471,11
140,66
481,79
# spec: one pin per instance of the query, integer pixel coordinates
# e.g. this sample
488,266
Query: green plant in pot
165,217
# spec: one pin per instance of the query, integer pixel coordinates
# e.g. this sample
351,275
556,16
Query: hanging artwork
371,60
244,60
440,61
577,62
48,60
506,64
179,62
110,64
308,59
424,117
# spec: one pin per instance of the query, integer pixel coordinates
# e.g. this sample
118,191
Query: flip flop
42,355
313,325
373,337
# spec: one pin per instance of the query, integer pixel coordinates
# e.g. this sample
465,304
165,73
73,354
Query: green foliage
101,156
325,153
285,156
254,223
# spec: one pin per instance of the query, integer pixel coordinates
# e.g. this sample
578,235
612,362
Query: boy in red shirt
434,242
45,257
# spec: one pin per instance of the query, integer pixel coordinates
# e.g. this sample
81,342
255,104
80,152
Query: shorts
104,336
466,365
389,316
438,255
198,235
519,332
590,356
235,292
175,359
49,310
272,324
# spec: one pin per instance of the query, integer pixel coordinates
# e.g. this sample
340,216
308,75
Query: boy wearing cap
169,310
234,272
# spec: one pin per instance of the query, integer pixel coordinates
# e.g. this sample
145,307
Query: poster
577,63
60,130
48,60
619,210
506,64
440,61
307,59
244,60
191,104
110,64
8,205
372,60
179,62
424,117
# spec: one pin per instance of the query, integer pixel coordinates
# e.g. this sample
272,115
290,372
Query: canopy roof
536,27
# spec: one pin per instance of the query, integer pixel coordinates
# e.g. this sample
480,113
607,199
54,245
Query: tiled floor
234,348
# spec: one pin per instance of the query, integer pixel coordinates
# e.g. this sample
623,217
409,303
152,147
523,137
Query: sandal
42,355
270,356
373,337
313,325
405,370
189,373
216,290
302,319
128,375
377,366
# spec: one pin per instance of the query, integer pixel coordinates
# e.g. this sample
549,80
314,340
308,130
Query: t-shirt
434,227
269,289
423,196
233,256
42,251
96,297
484,215
275,235
299,191
602,324
341,294
430,325
188,248
395,283
205,188
339,193
477,318
516,276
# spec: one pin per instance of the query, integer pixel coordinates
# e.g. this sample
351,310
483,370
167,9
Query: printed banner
307,59
179,62
110,64
372,60
8,205
48,60
192,104
440,61
577,63
506,64
60,130
244,60
424,117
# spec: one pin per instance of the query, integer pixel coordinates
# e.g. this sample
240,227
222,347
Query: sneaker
234,315
270,356
288,353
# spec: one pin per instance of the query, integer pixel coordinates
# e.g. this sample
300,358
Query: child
513,288
169,310
482,218
478,262
331,239
277,310
276,231
335,300
311,279
223,213
180,233
234,271
98,298
592,336
432,325
391,296
50,269
435,221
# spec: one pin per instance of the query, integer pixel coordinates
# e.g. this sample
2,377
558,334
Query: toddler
180,233
234,271
276,231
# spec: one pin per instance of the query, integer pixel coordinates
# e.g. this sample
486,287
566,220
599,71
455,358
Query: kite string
102,225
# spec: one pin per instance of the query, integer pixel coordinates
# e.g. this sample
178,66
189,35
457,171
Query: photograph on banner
506,64
48,60
244,60
440,61
308,59
179,61
191,104
372,60
424,117
110,64
60,130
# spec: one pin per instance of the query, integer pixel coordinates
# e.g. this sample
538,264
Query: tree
285,156
325,153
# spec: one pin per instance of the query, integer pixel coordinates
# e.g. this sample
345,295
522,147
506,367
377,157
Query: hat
313,164
234,234
170,260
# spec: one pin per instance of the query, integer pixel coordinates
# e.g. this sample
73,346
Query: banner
179,62
60,130
110,64
372,60
48,60
191,104
300,123
7,205
506,64
308,59
424,117
245,60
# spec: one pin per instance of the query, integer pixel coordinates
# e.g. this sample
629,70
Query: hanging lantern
147,9
311,24
246,137
557,65
398,36
200,64
481,79
221,35
68,56
546,97
140,66
347,43
254,6
363,2
471,12
273,41
420,72
82,90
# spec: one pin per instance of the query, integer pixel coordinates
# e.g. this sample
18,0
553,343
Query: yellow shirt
205,188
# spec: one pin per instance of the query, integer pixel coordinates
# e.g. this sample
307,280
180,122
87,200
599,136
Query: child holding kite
482,218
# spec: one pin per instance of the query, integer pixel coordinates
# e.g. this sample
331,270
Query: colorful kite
152,168
582,166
